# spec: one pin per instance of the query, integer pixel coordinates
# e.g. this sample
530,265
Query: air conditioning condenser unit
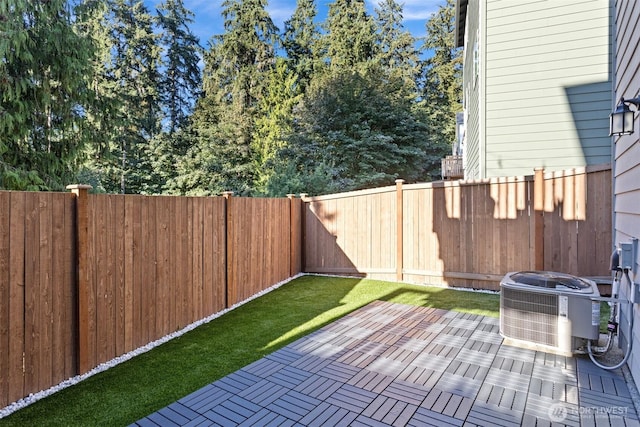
549,311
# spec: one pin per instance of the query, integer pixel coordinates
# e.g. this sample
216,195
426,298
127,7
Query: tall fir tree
397,52
126,79
350,38
224,121
301,41
442,92
274,123
178,90
44,92
181,79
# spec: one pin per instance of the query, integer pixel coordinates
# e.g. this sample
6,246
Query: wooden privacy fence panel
155,265
465,234
259,245
352,234
85,278
37,322
577,222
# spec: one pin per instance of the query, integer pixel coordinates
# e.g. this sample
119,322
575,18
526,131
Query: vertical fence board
70,286
182,265
131,225
194,307
5,300
45,297
296,236
59,284
17,299
32,292
119,299
141,276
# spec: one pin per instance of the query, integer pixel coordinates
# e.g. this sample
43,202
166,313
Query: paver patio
399,365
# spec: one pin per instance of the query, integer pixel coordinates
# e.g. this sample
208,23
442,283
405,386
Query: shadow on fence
465,233
85,278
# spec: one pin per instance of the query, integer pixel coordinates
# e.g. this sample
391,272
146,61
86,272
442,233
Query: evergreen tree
178,89
352,132
442,90
225,117
396,46
274,122
350,39
126,79
181,80
301,41
43,94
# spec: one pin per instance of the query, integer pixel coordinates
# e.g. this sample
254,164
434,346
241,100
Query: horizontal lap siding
473,94
548,85
627,155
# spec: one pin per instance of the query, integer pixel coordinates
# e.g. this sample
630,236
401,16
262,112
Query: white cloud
281,11
416,10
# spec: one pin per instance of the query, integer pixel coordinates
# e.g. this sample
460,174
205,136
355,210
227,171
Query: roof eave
461,20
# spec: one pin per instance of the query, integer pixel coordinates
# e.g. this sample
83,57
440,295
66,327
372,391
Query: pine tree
301,41
396,46
126,79
442,90
224,121
43,94
181,80
350,39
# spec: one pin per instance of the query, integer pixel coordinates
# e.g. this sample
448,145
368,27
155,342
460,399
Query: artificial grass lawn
148,382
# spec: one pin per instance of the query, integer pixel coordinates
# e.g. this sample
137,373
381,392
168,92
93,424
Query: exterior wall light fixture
622,119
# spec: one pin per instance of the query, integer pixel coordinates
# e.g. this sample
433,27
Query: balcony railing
452,167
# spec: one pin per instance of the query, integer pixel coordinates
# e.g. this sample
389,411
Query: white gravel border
34,397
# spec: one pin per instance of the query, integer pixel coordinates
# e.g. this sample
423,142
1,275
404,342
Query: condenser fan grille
529,316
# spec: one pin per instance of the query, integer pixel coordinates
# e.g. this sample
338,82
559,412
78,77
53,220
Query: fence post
293,250
538,219
303,230
399,231
228,247
82,275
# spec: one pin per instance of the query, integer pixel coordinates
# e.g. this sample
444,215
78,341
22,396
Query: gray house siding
626,169
473,154
544,94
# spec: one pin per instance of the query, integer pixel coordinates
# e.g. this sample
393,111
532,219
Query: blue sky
208,21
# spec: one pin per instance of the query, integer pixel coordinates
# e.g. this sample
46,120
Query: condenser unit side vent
529,316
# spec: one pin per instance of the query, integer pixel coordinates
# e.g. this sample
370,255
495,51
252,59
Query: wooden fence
466,234
85,278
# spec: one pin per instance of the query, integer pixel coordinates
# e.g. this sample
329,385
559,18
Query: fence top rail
379,190
578,171
460,183
469,182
